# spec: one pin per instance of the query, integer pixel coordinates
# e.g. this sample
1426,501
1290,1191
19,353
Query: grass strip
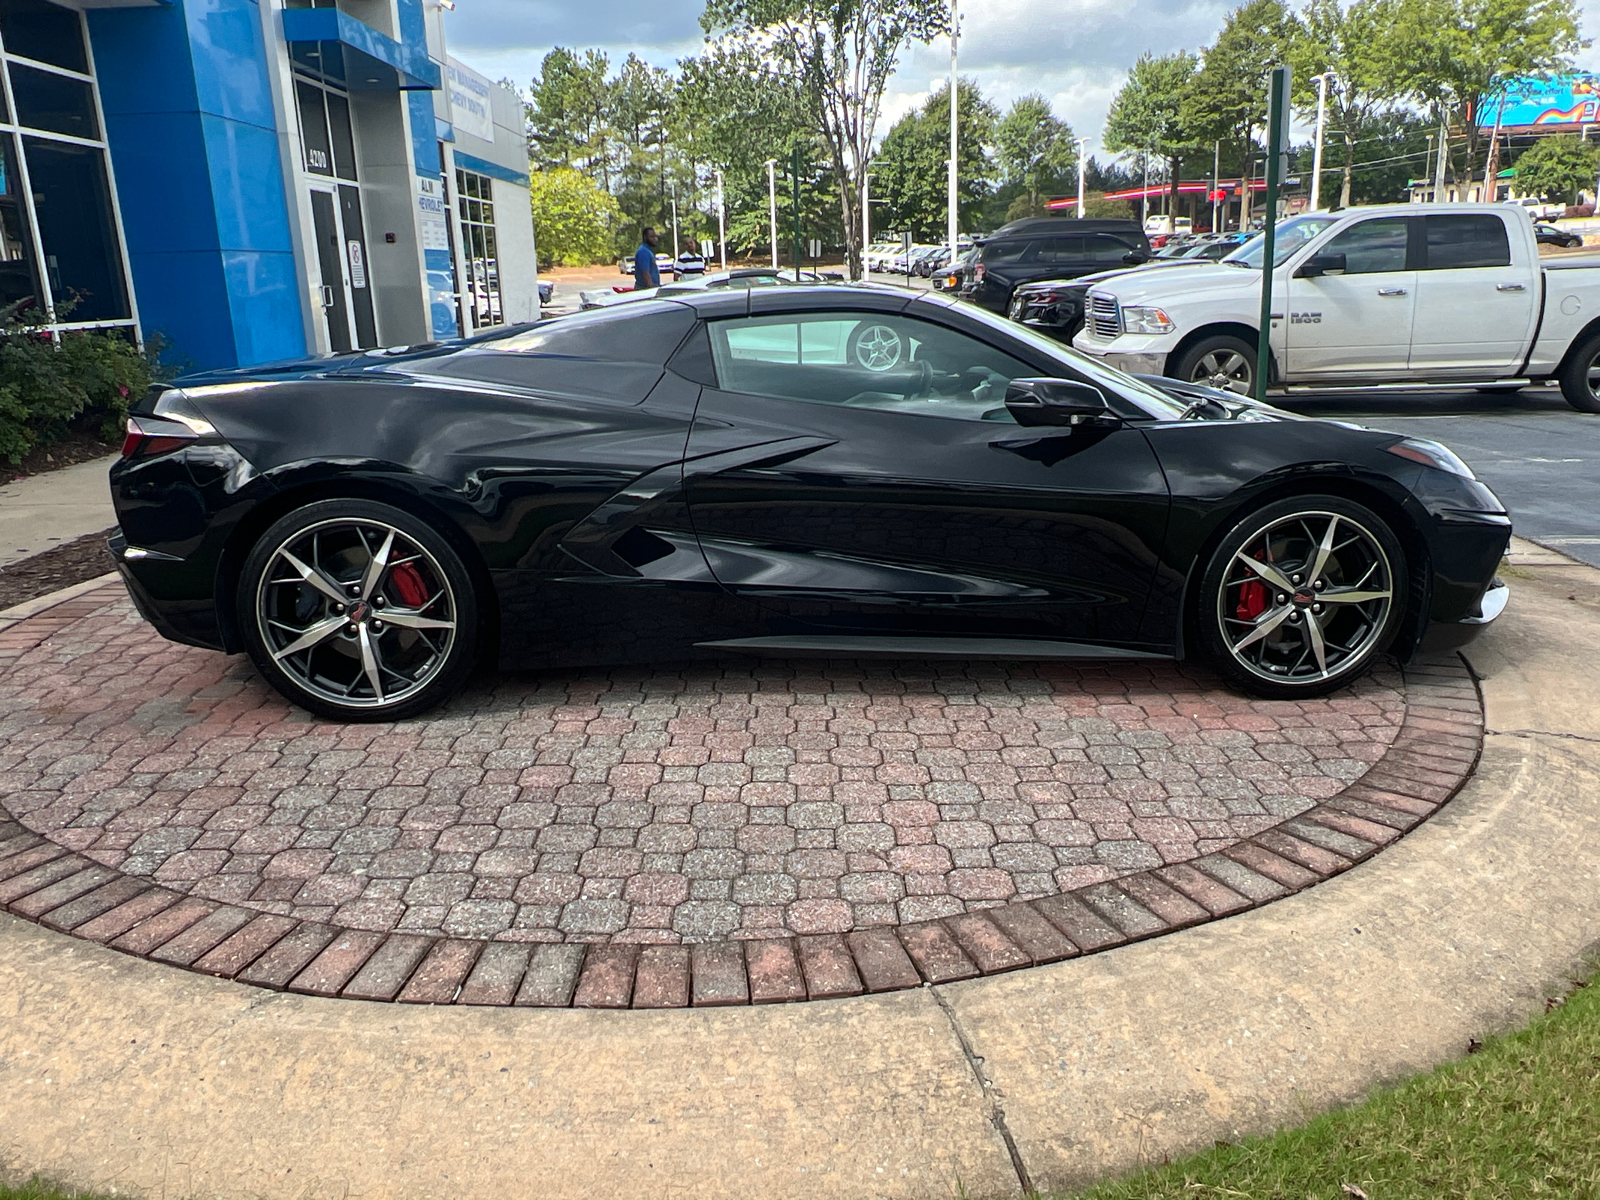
1518,1118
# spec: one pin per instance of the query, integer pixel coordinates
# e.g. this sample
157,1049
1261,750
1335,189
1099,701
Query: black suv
1052,248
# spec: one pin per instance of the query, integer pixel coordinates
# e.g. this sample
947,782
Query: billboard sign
1558,104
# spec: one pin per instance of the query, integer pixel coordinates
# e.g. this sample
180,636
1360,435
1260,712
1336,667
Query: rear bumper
162,590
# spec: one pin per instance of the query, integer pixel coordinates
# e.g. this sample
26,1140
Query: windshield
1290,237
1157,403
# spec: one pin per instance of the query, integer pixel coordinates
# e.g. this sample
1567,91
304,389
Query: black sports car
842,470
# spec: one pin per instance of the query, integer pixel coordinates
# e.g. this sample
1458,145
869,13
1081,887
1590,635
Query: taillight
978,273
149,436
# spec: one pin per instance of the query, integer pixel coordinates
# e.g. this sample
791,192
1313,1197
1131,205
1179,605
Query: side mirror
1135,258
1035,402
1322,264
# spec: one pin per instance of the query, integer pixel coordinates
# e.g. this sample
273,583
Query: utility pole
1427,163
794,174
1438,165
1491,163
1216,185
1083,164
722,222
955,90
772,206
1277,152
1316,158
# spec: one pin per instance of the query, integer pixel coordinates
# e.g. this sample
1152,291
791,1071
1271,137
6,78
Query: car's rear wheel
1224,362
1580,378
358,611
1301,596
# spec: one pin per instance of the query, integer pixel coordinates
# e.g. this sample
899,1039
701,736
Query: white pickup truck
1399,294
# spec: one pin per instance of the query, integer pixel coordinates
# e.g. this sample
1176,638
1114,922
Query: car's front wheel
358,611
1301,596
1223,362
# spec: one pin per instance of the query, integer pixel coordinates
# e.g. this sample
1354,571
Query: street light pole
1438,163
955,90
1316,157
674,224
866,217
772,206
722,222
1082,167
1216,184
1144,195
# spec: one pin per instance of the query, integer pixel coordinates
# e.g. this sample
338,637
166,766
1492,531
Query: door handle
1391,291
327,296
1509,287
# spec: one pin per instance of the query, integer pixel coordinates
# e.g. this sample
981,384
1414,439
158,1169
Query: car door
1356,323
899,498
1475,306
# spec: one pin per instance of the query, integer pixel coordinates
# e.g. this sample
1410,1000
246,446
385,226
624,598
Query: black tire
400,638
1285,538
1580,378
1221,362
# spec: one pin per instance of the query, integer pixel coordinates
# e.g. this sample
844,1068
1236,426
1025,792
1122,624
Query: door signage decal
358,265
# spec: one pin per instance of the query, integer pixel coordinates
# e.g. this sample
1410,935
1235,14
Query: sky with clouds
1076,52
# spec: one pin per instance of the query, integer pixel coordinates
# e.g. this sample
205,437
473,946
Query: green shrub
83,380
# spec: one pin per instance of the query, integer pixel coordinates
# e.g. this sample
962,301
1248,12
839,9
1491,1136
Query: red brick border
1432,756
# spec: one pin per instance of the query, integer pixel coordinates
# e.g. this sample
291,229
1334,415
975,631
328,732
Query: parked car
830,471
1539,210
1051,249
1549,235
663,263
1056,307
1447,293
957,277
747,277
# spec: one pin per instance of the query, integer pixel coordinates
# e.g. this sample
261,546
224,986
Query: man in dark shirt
645,272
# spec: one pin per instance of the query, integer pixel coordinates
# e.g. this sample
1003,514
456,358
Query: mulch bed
62,566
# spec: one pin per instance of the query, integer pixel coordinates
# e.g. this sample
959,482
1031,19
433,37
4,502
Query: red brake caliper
1252,600
406,582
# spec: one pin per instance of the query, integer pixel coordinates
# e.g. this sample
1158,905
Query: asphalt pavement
1539,456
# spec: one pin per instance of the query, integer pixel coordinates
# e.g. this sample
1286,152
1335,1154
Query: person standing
645,272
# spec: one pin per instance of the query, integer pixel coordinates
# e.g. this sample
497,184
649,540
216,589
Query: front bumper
1135,356
1442,636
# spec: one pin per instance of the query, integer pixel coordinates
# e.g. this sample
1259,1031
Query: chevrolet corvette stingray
839,470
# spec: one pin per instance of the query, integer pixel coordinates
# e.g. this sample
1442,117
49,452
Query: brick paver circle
707,804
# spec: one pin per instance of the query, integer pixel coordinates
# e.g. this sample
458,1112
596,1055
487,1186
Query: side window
1061,250
1467,240
865,360
1008,250
1103,248
1372,246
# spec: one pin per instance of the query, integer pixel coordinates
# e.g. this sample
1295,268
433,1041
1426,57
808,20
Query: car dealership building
257,179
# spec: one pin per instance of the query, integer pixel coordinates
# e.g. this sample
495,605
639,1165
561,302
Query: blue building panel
194,145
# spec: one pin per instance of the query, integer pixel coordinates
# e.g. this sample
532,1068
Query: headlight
1146,320
1432,454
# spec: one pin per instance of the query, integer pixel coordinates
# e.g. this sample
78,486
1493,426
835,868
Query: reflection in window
1373,246
19,278
72,198
44,32
1467,240
46,100
864,360
475,197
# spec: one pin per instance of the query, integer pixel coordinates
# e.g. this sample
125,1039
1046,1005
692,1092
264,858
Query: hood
1159,287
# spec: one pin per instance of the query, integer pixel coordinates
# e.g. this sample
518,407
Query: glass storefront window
72,200
19,276
58,103
474,196
44,32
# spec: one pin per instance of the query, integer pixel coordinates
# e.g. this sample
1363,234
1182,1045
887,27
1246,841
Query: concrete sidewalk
116,1072
45,510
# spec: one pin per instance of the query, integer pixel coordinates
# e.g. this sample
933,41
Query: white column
1316,157
955,215
1083,166
722,222
772,206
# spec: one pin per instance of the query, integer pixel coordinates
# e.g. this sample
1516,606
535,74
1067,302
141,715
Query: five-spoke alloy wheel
1225,363
358,610
1302,595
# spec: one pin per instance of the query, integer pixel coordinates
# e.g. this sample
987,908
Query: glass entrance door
330,258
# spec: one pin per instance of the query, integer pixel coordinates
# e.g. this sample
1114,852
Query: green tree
911,175
1227,101
840,55
569,114
1356,44
575,220
1148,114
1554,168
1035,151
1456,56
